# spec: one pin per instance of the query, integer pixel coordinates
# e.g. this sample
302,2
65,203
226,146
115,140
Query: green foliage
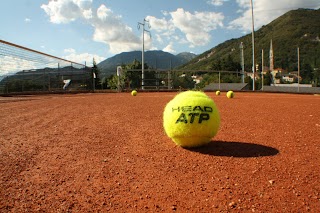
207,79
230,78
48,79
306,73
134,78
183,81
96,71
226,64
131,77
114,81
267,79
316,77
249,81
17,85
297,28
104,82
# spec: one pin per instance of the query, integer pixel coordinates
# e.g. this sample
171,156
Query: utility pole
143,30
253,64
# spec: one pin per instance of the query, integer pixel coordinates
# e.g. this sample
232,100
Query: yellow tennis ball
134,93
191,119
217,92
230,94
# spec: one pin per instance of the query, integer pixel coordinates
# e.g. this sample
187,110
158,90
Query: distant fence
292,88
207,80
175,79
23,70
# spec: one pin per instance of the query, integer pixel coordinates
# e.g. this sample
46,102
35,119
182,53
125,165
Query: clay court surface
108,152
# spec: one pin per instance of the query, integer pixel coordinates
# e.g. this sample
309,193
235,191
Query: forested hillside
297,28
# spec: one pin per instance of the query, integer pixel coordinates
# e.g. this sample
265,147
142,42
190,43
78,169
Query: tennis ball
134,92
217,92
230,94
191,119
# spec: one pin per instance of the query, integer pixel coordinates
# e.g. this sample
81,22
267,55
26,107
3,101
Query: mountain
297,28
186,56
156,59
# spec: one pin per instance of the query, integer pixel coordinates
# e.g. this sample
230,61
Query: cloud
103,12
266,11
69,50
180,25
82,58
194,28
164,28
87,14
11,65
197,26
169,48
160,25
27,20
108,27
216,2
159,38
65,11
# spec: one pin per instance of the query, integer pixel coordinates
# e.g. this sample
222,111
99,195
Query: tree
96,74
117,81
306,73
230,65
267,79
316,77
183,81
249,80
131,79
104,82
216,65
207,79
134,78
226,64
230,78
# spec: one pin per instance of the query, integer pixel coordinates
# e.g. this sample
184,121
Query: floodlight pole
142,57
262,69
219,80
298,51
253,68
242,61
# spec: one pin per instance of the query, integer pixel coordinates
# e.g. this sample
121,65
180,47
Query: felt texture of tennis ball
191,119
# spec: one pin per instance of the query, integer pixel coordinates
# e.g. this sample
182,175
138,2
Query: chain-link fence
23,70
180,80
207,80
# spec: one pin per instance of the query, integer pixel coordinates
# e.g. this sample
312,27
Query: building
289,78
276,74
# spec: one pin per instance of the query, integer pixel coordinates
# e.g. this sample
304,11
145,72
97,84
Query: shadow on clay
235,149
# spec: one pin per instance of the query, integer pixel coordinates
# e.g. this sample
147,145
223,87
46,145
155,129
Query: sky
80,30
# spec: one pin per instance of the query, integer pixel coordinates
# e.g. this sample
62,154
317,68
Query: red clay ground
108,152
